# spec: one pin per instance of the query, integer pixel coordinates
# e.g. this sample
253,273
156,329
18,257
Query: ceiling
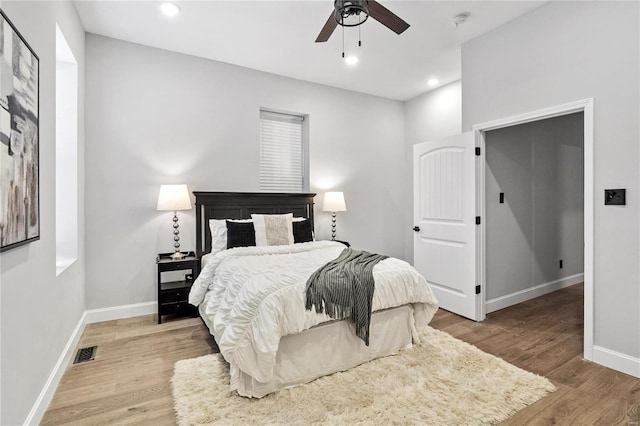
278,37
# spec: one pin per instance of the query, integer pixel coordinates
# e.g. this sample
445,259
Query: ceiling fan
351,13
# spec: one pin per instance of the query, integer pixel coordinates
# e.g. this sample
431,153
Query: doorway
585,108
534,204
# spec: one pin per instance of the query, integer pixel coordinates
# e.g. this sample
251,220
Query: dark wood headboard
240,205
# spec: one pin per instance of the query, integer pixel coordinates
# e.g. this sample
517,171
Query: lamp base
178,255
333,226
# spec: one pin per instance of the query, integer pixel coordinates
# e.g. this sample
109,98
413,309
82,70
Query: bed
252,300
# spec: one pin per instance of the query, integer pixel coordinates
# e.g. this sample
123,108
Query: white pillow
218,228
273,229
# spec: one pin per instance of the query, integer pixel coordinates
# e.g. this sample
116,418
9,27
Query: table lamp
334,202
174,197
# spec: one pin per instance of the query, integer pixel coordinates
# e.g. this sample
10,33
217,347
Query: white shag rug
442,381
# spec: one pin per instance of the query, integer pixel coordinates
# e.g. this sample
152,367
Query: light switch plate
615,197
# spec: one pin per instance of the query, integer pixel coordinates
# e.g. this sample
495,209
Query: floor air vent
85,354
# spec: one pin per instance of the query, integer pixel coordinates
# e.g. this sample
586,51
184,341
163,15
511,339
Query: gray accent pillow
273,229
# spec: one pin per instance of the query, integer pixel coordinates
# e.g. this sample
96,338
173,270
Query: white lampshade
334,202
174,197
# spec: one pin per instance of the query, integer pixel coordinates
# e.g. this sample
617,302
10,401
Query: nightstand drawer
182,308
172,296
176,266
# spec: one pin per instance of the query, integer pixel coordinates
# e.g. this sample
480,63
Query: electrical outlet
615,197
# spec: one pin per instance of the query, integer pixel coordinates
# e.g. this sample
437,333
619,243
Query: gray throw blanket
343,288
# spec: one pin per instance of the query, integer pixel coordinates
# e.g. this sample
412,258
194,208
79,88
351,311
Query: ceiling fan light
351,60
170,9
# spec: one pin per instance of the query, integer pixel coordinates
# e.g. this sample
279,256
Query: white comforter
258,296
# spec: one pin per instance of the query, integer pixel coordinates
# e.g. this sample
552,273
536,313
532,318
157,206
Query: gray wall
38,310
539,167
432,115
157,117
558,53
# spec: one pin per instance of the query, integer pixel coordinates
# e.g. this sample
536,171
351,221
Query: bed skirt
328,348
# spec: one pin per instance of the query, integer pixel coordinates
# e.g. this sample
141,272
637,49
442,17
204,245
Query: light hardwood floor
129,381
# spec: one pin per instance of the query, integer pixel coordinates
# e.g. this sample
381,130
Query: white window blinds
281,152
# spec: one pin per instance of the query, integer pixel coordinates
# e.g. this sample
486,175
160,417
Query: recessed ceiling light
351,60
433,82
170,9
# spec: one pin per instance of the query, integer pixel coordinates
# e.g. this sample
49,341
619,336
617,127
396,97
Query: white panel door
444,199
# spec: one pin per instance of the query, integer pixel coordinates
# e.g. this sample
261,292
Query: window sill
62,264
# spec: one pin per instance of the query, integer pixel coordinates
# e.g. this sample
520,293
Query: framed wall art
19,139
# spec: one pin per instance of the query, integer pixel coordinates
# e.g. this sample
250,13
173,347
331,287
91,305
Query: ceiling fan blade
386,17
327,30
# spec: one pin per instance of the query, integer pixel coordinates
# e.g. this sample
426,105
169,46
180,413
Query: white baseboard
49,389
531,293
88,317
616,361
119,312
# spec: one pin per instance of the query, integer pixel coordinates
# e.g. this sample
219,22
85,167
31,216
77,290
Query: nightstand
173,295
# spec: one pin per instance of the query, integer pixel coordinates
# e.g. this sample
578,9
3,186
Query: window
66,154
283,158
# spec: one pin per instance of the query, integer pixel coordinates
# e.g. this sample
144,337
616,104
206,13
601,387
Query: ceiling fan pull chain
359,31
342,25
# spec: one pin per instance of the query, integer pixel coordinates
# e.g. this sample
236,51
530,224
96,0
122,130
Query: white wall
39,310
157,117
563,52
432,115
539,168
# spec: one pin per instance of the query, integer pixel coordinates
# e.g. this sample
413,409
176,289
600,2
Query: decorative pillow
273,229
302,231
218,228
240,234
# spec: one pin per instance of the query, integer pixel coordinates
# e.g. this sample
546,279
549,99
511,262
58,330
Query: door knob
416,228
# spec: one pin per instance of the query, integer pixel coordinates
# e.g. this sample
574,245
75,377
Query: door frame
587,107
